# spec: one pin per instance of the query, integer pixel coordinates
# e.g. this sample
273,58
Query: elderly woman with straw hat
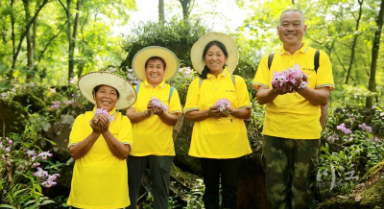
153,115
218,102
100,141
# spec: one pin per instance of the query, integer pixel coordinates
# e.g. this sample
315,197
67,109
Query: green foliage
175,35
24,168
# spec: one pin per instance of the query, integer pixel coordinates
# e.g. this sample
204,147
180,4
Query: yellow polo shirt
151,135
218,138
291,115
99,178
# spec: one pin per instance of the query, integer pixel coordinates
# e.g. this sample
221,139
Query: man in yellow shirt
292,126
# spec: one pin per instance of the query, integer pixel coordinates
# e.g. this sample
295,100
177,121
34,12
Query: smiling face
154,71
215,59
106,97
291,28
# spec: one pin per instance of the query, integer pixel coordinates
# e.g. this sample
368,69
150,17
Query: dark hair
96,89
206,70
155,58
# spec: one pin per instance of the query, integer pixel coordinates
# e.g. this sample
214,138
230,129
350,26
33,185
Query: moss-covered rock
12,117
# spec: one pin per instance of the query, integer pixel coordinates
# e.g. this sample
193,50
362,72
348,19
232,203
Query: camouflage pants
290,170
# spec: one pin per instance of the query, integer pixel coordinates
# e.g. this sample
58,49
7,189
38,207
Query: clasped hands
154,110
99,123
215,112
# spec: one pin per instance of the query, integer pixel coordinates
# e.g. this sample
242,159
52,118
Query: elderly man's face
292,28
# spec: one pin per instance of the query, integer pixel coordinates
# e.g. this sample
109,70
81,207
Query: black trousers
226,170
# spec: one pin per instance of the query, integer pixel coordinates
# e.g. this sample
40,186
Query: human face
106,97
292,28
154,72
215,60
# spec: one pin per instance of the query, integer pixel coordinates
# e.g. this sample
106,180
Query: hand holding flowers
100,121
156,107
289,80
222,108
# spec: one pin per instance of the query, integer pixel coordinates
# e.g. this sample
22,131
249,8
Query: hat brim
88,82
141,57
198,49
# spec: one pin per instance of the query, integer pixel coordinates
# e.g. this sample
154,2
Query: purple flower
50,181
332,137
289,77
40,173
36,165
31,153
100,111
223,104
376,139
157,103
44,155
56,104
344,129
366,128
10,142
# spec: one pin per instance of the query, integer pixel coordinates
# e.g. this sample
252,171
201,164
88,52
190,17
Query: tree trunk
13,37
72,43
375,54
187,8
24,34
161,11
354,43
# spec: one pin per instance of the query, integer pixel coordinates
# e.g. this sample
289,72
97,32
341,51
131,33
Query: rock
252,192
12,117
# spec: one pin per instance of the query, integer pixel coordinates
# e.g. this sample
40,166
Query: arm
80,149
324,114
118,149
241,113
199,115
317,96
265,95
136,117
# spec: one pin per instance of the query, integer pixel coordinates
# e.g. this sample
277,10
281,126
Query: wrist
145,112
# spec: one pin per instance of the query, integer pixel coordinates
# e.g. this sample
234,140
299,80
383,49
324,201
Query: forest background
46,45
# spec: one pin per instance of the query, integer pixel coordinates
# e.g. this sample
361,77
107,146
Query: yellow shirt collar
161,85
223,73
303,49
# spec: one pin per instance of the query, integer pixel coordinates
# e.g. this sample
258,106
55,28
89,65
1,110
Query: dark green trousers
290,169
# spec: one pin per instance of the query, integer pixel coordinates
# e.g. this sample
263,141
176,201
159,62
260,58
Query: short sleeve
77,132
242,93
262,74
192,96
324,73
125,131
175,105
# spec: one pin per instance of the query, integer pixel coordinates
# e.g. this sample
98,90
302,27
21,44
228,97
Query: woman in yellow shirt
219,136
153,116
100,141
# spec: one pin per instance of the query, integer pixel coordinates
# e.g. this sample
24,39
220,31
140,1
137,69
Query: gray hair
293,10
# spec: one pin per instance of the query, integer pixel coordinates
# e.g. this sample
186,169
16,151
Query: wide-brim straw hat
198,49
88,82
141,57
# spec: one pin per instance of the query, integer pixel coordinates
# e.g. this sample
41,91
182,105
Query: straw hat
88,82
141,57
198,49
